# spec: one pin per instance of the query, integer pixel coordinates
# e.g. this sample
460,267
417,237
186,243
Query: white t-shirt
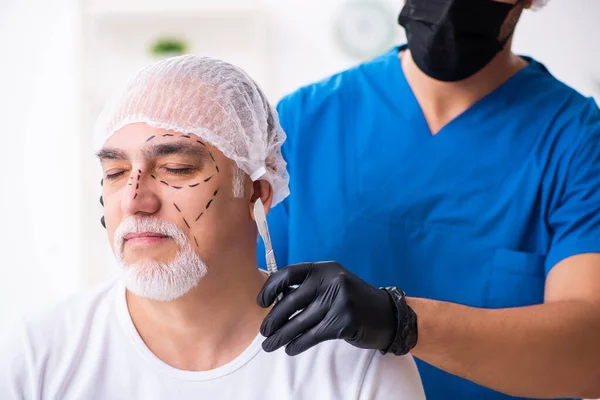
88,348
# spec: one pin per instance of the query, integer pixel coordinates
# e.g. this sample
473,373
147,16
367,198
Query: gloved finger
298,299
315,335
301,323
281,280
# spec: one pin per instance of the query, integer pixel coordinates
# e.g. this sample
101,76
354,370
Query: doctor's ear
263,190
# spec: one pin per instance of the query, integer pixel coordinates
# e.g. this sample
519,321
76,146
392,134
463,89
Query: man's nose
138,196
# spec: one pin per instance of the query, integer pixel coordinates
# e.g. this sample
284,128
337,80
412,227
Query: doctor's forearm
544,351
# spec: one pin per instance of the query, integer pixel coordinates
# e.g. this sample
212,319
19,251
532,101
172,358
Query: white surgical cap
212,99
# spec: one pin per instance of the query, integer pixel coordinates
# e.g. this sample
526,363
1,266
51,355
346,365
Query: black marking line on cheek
152,176
164,183
137,186
196,240
176,207
186,136
168,134
197,218
150,138
217,167
186,223
201,143
211,156
208,179
208,204
139,171
134,197
130,184
216,191
138,178
176,187
194,185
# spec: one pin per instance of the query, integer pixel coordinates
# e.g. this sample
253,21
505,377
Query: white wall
51,242
305,43
565,36
40,155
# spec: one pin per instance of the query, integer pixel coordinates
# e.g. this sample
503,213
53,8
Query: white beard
154,280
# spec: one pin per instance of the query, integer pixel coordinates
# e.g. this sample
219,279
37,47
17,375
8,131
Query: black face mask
451,40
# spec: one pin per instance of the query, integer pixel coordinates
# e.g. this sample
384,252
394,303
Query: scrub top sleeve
575,222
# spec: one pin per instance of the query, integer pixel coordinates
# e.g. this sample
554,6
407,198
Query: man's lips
144,237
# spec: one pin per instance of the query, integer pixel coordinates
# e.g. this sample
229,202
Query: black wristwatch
406,330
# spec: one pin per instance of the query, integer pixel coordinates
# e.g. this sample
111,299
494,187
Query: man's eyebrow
167,149
111,154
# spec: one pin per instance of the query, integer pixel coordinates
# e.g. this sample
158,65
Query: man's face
512,18
169,208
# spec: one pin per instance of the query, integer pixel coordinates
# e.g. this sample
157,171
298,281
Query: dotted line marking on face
207,204
181,187
102,202
212,158
137,185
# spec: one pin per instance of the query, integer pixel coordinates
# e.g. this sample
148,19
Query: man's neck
206,328
441,102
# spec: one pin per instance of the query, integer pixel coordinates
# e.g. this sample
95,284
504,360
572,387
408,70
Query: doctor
461,174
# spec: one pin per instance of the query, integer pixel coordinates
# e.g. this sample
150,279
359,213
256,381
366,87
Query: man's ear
263,190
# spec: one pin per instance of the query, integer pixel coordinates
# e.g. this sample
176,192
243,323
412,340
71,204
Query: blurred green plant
169,46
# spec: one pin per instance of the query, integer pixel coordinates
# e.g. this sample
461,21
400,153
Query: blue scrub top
477,214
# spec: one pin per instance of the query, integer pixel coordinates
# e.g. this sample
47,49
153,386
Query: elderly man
186,149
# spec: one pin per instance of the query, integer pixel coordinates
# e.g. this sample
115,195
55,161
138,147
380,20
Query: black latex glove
336,304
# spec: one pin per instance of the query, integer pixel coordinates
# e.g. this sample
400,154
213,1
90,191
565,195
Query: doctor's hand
335,304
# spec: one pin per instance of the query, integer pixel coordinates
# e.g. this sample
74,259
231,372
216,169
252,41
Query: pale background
60,58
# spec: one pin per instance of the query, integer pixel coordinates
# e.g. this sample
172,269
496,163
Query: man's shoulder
342,353
323,93
34,349
566,120
346,369
546,91
71,316
378,375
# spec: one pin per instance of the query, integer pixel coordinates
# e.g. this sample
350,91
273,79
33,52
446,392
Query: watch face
365,28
